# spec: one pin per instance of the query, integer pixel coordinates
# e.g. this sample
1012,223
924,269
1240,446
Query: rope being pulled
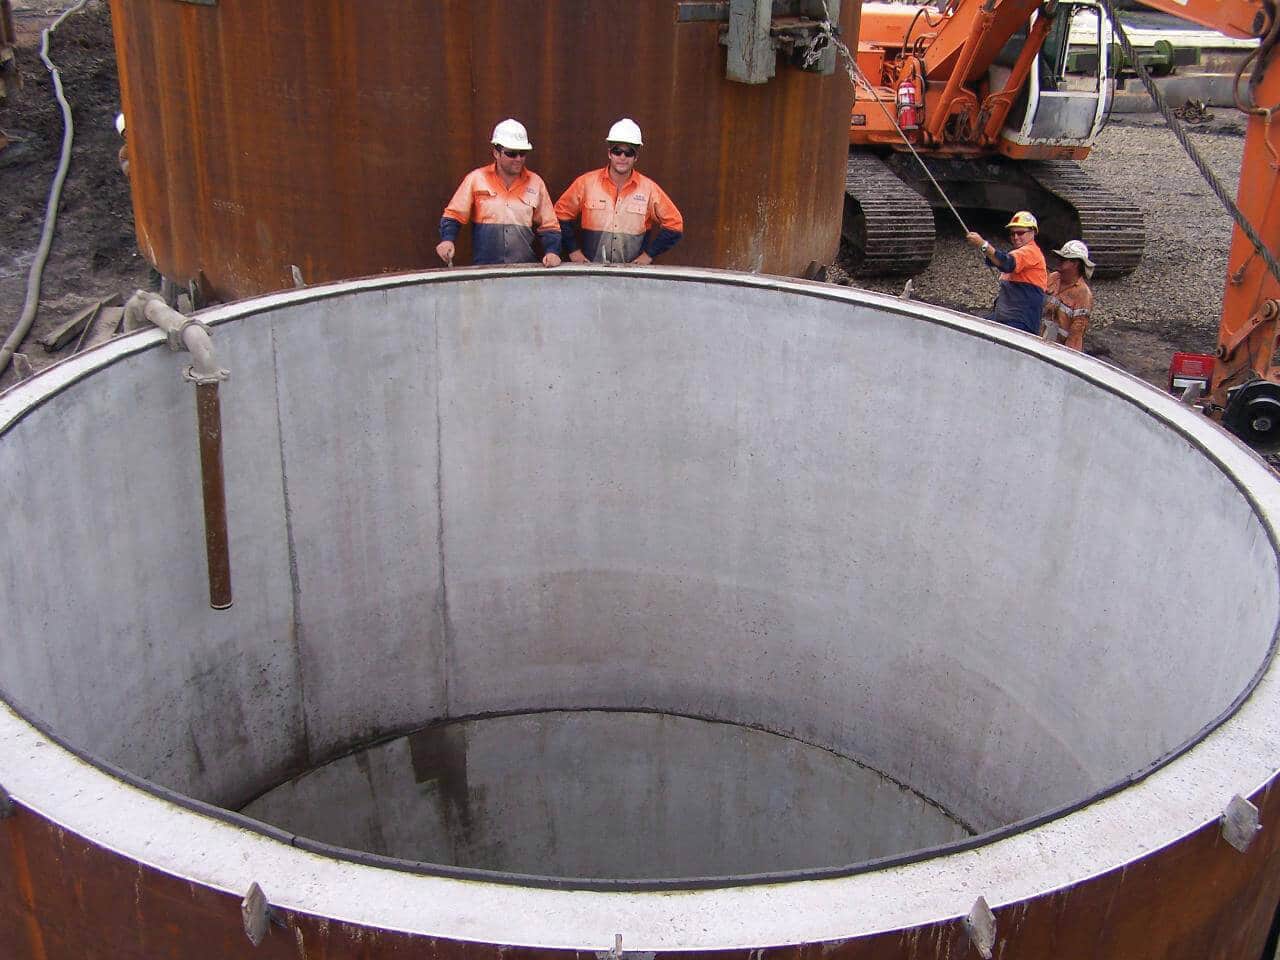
859,79
1180,132
32,304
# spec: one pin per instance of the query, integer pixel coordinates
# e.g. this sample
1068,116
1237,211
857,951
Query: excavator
972,110
1240,381
999,102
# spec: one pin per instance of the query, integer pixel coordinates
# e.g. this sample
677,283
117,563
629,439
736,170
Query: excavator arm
1244,390
1236,18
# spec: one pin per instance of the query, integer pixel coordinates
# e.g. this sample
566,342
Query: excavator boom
1244,390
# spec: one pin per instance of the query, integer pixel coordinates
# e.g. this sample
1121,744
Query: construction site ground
1170,303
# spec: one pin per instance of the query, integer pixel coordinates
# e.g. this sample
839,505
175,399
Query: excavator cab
998,100
1068,95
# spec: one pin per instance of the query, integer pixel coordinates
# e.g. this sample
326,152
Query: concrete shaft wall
997,572
560,492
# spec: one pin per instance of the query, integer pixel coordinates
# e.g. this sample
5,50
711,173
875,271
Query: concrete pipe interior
612,576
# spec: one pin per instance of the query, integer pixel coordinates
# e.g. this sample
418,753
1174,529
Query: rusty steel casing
65,898
330,135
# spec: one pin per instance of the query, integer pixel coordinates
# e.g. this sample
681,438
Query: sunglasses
513,153
623,151
1019,233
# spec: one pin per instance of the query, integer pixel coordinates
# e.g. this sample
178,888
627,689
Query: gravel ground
1173,300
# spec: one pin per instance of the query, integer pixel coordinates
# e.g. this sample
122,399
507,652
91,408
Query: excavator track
1111,226
888,224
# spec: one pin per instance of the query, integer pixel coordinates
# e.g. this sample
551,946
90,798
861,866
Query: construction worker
505,203
615,209
1023,274
1068,298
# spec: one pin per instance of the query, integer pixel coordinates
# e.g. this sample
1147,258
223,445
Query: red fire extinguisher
908,105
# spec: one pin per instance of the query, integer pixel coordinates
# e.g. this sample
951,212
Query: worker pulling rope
1181,134
32,303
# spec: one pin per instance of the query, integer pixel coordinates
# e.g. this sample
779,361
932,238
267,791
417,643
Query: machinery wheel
1253,415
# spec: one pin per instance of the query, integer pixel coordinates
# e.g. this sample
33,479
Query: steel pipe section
1010,579
367,116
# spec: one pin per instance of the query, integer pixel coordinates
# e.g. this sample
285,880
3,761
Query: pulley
1253,415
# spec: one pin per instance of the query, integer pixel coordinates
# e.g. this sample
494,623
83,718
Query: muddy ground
1170,303
94,251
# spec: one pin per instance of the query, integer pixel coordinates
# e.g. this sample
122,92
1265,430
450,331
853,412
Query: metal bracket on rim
1240,823
256,914
980,924
617,953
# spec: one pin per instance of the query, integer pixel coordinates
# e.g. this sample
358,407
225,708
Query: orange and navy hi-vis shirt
503,218
1022,283
615,225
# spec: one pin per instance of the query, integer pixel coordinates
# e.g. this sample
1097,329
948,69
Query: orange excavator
1241,381
973,110
999,101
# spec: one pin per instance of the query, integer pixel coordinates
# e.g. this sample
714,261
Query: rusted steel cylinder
213,489
330,135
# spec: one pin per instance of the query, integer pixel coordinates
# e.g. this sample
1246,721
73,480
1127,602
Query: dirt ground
94,252
1170,303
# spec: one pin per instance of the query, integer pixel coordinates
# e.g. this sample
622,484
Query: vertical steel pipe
213,487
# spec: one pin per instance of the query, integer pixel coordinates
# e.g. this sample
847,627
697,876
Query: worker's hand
643,260
578,257
975,238
551,260
444,250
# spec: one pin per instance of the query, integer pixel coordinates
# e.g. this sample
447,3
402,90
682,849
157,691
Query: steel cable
1181,134
858,78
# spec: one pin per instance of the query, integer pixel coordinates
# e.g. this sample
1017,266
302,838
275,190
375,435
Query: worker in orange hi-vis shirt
505,203
1023,274
615,215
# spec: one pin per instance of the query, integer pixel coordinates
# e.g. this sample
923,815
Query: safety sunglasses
513,154
1019,233
623,151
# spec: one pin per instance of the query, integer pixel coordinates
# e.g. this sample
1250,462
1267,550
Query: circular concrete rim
1237,754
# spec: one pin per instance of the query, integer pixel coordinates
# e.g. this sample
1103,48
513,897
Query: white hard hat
625,131
1076,250
120,124
512,135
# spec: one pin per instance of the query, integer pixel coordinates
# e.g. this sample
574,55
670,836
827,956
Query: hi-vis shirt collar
632,186
493,180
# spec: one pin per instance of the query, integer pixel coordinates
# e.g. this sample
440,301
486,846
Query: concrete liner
767,502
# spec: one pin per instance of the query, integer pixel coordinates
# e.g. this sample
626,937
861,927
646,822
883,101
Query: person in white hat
507,205
1068,299
614,214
